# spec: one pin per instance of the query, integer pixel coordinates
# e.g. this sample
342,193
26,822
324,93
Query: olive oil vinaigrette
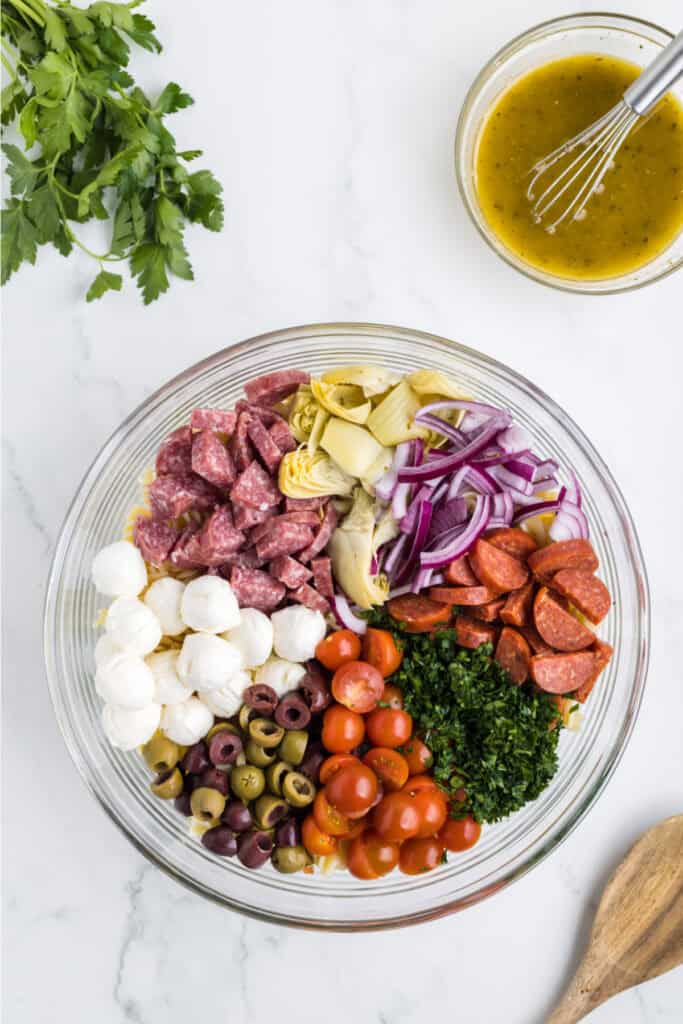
638,211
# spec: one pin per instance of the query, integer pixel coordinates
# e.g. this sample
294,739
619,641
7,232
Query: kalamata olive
182,804
225,747
292,712
196,759
315,688
313,758
261,698
237,816
254,848
214,778
220,840
288,833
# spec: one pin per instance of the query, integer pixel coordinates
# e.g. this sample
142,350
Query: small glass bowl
617,35
120,781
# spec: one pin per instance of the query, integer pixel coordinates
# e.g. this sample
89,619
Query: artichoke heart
344,400
433,384
321,418
312,475
373,380
392,421
303,413
351,551
353,448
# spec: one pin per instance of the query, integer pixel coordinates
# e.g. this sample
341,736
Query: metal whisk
603,139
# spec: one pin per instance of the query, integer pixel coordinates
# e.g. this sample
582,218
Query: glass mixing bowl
617,35
120,781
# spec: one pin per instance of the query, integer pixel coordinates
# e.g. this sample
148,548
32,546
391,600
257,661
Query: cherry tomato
328,818
420,855
392,696
418,755
357,828
317,842
433,810
352,789
416,783
389,727
342,730
461,834
371,856
358,862
396,817
333,764
380,649
388,765
358,686
336,649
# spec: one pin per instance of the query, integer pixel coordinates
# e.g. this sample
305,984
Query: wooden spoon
638,929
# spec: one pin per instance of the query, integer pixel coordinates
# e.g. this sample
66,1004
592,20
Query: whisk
602,140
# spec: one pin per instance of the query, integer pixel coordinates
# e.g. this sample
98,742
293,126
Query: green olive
259,755
274,776
293,746
169,785
266,732
207,803
289,859
297,789
161,754
220,727
247,782
269,809
245,716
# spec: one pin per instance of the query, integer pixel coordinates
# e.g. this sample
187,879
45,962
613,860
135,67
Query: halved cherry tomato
317,842
352,789
420,855
358,686
461,834
388,765
416,783
433,810
358,862
392,696
418,755
396,817
389,727
342,730
328,818
339,647
371,856
333,764
380,649
357,828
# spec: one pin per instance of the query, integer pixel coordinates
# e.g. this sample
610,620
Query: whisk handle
657,79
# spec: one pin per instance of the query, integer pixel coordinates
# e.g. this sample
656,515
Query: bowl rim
630,24
511,874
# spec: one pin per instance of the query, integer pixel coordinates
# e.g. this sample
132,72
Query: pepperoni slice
463,595
603,654
585,591
472,634
557,626
497,569
460,574
513,653
489,612
419,614
562,673
562,554
513,540
516,610
537,645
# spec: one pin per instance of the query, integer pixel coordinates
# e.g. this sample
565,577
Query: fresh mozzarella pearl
133,626
297,631
280,674
164,597
207,662
226,702
168,687
105,648
186,723
128,729
209,605
119,570
253,637
125,680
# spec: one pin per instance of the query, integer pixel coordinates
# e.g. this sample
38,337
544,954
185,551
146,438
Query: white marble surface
331,126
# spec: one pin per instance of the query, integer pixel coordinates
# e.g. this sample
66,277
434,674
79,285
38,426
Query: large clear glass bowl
120,782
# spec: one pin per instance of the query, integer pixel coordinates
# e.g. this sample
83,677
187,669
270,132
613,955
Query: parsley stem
8,67
27,11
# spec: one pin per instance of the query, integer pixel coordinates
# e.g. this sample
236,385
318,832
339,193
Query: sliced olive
259,755
293,746
247,781
245,716
207,804
269,809
265,732
168,785
275,774
289,859
220,727
161,754
297,789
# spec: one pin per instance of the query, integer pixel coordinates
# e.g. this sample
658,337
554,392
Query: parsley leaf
104,282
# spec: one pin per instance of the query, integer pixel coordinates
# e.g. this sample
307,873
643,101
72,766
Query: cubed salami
265,446
154,539
244,559
322,576
271,388
286,540
310,598
175,454
222,420
283,436
245,517
218,537
187,552
305,504
290,572
212,460
256,589
322,536
255,488
311,519
171,496
267,416
240,446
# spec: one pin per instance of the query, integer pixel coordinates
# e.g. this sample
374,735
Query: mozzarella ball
127,729
119,570
209,605
227,701
297,631
125,681
207,662
186,723
280,674
168,687
105,648
133,626
164,598
253,637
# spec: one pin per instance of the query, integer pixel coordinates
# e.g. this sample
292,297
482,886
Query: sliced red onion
456,483
344,615
449,514
503,507
442,427
424,518
407,524
399,501
386,485
452,461
533,472
573,492
569,524
442,556
394,555
481,481
514,438
407,588
509,480
495,457
479,408
535,509
423,579
547,484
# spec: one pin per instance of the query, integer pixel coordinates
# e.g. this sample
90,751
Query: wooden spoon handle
578,1000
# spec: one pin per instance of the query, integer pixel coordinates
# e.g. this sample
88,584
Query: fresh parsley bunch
103,148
